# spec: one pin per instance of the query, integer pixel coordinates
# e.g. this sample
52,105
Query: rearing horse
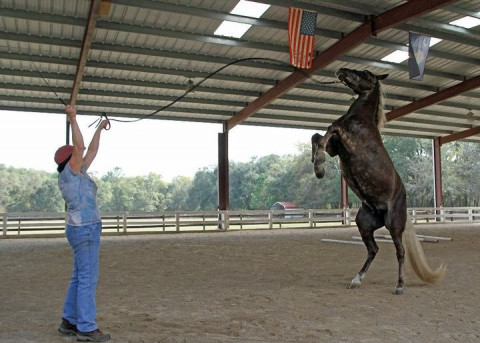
369,172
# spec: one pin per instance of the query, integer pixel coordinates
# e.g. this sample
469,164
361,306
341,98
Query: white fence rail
35,223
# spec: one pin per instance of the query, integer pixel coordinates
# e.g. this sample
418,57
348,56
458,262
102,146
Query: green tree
243,179
177,193
18,185
202,195
317,193
47,197
461,177
258,183
413,160
250,183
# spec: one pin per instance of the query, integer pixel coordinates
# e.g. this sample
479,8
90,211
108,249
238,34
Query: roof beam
402,13
356,12
87,40
189,73
460,135
182,55
328,56
444,94
133,111
461,11
195,11
232,91
373,26
231,42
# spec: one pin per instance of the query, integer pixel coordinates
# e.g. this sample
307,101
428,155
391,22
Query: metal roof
140,56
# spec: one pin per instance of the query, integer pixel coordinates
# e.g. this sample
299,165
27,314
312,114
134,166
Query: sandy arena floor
251,286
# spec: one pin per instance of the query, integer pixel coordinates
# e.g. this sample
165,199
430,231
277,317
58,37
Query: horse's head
365,82
318,156
359,81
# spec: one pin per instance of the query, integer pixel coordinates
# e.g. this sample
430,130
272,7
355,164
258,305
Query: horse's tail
417,259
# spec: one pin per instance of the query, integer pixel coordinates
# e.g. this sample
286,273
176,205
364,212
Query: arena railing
24,224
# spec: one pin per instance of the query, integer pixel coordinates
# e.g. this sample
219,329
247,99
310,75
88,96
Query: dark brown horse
369,172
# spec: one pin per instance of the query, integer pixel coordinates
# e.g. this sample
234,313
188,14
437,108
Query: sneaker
93,336
67,328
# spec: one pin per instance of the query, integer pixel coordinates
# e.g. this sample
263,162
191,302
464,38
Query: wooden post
347,216
177,221
437,172
4,224
437,175
226,220
222,177
344,190
67,131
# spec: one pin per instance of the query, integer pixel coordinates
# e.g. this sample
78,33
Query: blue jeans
79,307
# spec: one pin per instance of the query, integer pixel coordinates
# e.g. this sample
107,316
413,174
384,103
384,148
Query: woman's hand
71,112
105,124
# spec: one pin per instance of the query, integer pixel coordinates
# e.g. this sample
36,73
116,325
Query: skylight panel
250,9
466,22
232,29
434,41
399,56
244,8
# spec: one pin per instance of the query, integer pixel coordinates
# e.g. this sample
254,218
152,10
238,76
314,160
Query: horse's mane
380,112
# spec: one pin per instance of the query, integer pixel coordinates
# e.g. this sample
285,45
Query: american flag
301,36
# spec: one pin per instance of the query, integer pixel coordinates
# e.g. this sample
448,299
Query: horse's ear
382,77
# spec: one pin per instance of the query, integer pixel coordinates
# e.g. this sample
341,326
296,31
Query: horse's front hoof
356,282
398,291
354,285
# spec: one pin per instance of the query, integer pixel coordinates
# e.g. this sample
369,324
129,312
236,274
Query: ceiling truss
100,64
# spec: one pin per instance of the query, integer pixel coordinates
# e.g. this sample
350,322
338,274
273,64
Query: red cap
63,153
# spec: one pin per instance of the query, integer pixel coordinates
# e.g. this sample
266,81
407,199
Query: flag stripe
301,45
294,38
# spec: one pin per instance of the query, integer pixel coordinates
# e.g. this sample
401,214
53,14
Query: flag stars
309,23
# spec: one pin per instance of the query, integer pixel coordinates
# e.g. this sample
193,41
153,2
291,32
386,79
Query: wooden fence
53,224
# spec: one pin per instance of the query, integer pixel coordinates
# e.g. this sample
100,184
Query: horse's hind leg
396,225
397,240
367,222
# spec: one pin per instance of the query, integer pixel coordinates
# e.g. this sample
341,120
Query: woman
83,232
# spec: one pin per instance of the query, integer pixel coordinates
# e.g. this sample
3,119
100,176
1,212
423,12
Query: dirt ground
248,286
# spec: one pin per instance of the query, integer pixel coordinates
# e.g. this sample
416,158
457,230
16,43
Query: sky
169,148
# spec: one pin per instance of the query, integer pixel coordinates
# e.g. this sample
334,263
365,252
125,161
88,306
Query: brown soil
248,286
